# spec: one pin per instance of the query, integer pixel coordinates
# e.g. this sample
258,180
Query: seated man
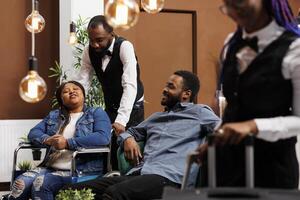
169,136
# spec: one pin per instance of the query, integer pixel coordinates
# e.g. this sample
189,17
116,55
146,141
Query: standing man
169,137
114,61
261,82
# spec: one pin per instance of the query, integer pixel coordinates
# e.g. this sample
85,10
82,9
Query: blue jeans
39,184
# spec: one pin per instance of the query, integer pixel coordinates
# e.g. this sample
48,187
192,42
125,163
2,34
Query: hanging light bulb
72,37
153,6
122,14
32,88
35,22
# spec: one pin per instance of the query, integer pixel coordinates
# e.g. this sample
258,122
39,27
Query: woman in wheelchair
72,126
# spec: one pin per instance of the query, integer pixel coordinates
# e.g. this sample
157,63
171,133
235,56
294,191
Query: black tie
250,42
106,52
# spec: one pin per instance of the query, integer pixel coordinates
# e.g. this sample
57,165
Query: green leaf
25,165
94,97
70,194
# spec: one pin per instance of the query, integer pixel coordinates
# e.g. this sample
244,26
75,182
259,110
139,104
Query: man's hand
57,141
118,128
132,151
234,133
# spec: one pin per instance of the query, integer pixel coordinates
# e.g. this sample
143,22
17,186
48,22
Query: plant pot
36,154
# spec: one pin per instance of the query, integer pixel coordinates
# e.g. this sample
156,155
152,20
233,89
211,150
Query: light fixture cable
33,88
34,4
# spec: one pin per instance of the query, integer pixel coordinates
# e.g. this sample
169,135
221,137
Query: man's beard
171,101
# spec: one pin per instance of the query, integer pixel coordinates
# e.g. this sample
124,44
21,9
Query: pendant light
122,14
35,22
32,88
152,6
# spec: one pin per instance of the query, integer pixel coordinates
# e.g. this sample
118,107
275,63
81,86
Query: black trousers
139,187
136,117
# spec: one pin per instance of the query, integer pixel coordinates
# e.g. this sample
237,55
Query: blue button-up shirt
169,137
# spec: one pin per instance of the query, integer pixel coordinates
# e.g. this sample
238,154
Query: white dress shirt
273,129
129,77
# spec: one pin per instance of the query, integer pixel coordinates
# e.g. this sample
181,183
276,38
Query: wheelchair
123,165
76,175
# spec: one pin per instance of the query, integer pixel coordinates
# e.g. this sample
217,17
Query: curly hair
190,82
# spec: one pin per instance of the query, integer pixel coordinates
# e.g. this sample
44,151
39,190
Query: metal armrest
22,145
100,150
190,159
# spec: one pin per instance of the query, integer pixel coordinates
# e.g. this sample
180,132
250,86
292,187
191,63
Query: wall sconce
35,22
122,14
152,6
72,37
33,88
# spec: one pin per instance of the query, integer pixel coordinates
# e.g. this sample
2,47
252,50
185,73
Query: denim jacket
93,129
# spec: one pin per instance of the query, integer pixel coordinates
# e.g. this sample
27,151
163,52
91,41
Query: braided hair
282,12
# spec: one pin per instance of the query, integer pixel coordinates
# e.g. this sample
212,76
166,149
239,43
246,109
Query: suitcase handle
249,161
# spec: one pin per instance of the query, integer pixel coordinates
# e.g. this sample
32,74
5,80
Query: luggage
228,193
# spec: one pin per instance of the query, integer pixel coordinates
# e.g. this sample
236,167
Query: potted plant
23,166
70,194
36,152
94,97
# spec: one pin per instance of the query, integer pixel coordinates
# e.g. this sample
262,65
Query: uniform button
235,93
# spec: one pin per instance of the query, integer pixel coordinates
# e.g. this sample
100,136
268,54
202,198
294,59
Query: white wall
10,133
69,10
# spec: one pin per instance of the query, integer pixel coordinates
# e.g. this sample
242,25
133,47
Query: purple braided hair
284,16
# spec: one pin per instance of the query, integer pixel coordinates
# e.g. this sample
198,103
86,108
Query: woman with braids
69,128
261,82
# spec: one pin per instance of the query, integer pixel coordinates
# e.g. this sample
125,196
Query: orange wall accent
15,49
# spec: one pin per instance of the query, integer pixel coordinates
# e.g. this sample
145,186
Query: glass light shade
32,88
72,39
35,22
153,6
122,14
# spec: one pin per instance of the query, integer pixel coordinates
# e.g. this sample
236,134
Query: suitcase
219,193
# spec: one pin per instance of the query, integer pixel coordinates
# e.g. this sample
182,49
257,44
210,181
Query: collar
111,47
179,106
265,33
85,108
